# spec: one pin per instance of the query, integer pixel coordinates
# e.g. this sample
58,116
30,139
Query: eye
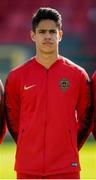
52,31
42,31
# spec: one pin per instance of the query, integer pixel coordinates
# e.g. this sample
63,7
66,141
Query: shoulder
1,84
94,81
94,76
1,88
75,68
23,66
19,70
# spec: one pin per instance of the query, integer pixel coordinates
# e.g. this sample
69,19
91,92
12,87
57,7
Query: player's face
47,37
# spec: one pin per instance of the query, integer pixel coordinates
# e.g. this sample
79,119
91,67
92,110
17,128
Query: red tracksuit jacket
94,103
47,115
2,113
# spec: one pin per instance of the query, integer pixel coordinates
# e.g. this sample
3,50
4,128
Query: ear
60,35
32,35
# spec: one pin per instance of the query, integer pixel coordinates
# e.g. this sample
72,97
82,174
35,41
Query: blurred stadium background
78,44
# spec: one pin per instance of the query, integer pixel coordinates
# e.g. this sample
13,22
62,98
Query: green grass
87,159
7,158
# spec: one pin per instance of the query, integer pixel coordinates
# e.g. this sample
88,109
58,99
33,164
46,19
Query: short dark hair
45,13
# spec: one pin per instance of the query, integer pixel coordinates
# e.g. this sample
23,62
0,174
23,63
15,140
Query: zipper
45,124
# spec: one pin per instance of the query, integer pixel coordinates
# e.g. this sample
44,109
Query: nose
48,36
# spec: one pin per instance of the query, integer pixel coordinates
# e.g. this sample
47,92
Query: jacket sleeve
84,110
94,104
12,104
2,113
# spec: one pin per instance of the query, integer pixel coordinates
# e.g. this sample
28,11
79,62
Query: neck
46,60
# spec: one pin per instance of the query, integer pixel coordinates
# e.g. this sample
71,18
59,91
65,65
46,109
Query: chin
48,52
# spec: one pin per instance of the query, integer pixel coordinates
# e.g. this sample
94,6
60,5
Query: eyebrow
45,30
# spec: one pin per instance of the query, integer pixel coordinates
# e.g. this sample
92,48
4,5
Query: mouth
47,43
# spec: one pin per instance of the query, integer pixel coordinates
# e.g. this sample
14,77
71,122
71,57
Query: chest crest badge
64,84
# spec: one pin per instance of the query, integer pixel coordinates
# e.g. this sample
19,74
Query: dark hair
45,13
